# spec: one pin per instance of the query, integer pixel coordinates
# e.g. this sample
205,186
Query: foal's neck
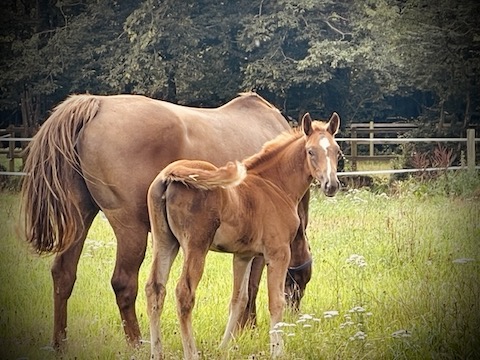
288,170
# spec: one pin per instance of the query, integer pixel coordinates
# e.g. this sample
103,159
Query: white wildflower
463,260
357,309
356,259
346,323
402,333
306,317
282,324
329,314
359,335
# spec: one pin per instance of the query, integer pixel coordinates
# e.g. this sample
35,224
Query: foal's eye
310,152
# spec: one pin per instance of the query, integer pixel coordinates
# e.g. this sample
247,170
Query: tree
364,58
71,54
296,50
184,51
412,47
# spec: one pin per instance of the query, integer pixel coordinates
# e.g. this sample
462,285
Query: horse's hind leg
64,272
131,246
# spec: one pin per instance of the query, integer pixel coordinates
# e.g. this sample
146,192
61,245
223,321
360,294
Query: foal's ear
333,123
307,124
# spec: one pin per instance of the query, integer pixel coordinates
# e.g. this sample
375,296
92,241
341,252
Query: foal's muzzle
330,186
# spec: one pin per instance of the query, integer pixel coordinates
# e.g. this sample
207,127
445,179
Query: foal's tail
50,215
203,175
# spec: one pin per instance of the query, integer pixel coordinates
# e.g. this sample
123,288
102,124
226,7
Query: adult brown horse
101,153
246,209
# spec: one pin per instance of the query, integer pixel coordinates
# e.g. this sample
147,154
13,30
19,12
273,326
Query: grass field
396,276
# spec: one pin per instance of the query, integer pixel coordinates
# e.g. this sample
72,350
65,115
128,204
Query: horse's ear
333,124
307,124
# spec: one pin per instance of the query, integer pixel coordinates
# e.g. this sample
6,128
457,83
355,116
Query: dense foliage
367,59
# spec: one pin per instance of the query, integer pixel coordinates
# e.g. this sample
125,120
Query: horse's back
132,138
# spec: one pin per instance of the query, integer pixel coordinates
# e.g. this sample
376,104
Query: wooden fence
13,153
371,129
398,129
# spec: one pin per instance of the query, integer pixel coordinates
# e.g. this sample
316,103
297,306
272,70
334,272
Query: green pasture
395,276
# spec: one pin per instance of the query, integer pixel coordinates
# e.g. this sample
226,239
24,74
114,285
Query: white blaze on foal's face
324,144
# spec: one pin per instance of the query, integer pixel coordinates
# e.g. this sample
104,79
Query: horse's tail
202,175
49,213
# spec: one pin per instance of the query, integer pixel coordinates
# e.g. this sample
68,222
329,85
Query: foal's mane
273,147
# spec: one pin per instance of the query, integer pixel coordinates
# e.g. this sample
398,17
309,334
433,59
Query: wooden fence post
471,149
11,153
371,126
354,151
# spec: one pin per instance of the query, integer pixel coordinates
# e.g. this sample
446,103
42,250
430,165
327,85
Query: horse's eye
310,152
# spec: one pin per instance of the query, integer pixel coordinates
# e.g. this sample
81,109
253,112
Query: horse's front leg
249,316
193,266
277,265
238,303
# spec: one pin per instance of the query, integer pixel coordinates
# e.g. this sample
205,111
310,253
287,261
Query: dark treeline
366,59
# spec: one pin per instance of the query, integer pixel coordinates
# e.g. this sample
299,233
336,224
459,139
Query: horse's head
323,151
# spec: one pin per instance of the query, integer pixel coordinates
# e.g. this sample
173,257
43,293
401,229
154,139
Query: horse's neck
288,171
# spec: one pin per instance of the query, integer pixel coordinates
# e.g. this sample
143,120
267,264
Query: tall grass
394,276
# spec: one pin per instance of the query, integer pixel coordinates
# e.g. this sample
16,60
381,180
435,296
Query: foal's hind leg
193,266
64,274
165,249
238,303
164,253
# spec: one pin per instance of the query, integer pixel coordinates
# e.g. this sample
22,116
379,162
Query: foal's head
323,151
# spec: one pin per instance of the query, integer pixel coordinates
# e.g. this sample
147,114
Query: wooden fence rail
373,128
395,128
13,153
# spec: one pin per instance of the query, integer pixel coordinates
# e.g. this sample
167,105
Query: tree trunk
441,122
30,107
466,119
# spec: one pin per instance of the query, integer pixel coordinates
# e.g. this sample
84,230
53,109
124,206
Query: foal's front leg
238,303
277,265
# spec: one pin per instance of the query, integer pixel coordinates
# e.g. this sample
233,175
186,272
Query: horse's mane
254,94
